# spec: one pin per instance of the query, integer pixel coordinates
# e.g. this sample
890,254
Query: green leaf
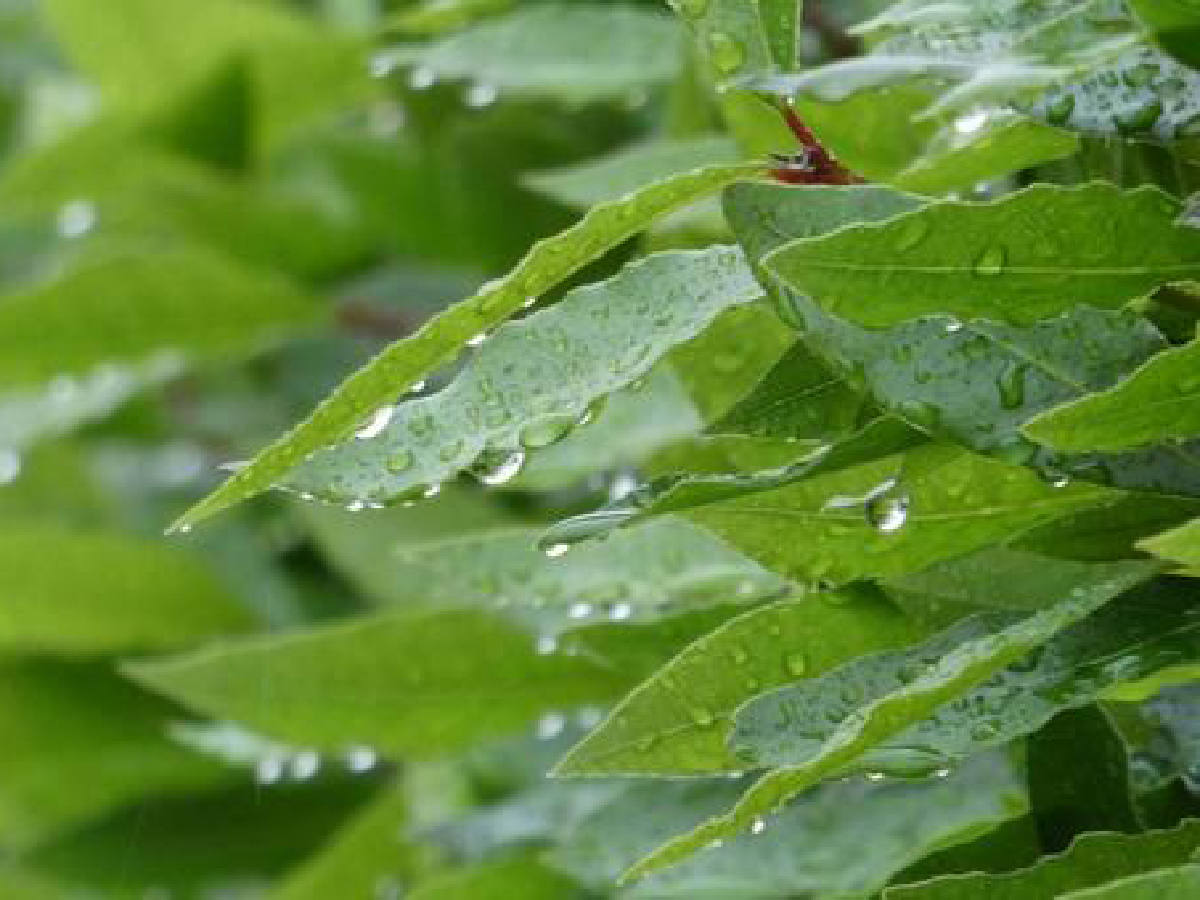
676,722
1179,883
957,161
1155,403
840,840
1109,533
410,683
79,592
741,38
891,517
124,309
799,398
1079,777
1092,860
792,726
1176,24
435,16
630,169
578,52
639,574
400,366
78,742
1025,257
904,704
516,877
360,855
533,380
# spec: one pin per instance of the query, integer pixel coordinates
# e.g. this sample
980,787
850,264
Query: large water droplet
378,422
888,513
991,261
505,471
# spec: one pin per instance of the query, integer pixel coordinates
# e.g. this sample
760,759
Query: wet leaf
677,721
532,381
400,366
1026,257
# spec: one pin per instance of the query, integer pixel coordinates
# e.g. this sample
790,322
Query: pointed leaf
792,725
843,839
912,700
530,382
1028,256
1180,545
400,366
398,681
891,517
1155,403
1093,859
677,721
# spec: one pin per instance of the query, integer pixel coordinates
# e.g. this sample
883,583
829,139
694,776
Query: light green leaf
577,52
79,592
435,16
843,839
400,366
963,668
409,683
639,574
891,517
791,726
533,380
958,161
1092,860
676,722
1026,257
630,169
1157,402
78,742
1179,545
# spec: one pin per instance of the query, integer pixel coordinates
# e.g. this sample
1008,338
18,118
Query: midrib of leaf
980,513
838,265
962,669
401,365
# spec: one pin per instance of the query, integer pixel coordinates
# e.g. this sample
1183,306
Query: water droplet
991,261
1141,118
76,218
400,461
875,776
911,233
919,413
268,770
550,726
701,716
360,759
1012,385
1059,112
480,95
421,78
477,340
580,610
796,664
546,644
378,422
1141,75
451,451
1188,385
740,656
727,53
504,472
941,773
759,825
888,513
305,765
554,551
432,491
620,612
971,122
954,326
10,465
547,431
